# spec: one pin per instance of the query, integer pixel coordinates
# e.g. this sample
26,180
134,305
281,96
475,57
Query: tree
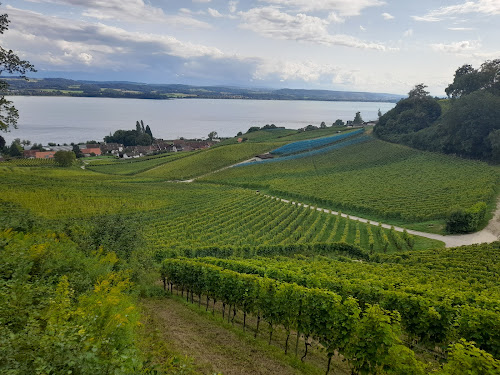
379,113
64,158
148,131
212,135
137,127
357,119
418,91
10,63
77,151
2,142
15,149
467,79
338,122
322,125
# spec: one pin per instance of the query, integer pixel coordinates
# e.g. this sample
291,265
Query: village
118,150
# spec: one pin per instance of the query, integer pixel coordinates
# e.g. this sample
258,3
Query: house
45,154
111,148
89,151
29,154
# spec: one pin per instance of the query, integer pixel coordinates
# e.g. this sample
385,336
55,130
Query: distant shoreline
199,97
60,87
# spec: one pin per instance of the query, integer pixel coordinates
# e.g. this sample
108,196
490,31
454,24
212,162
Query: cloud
272,23
302,71
214,13
387,16
486,7
201,1
362,28
408,33
335,18
233,6
128,11
457,47
461,28
344,7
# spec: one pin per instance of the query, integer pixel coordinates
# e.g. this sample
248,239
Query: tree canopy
10,63
467,124
141,136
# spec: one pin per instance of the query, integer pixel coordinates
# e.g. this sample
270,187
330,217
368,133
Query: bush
465,221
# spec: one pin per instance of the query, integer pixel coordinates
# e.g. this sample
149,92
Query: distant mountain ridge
115,89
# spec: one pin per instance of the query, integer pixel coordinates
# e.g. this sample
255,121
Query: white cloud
233,6
408,33
128,11
487,7
335,18
387,16
272,23
214,13
344,7
457,47
461,28
362,28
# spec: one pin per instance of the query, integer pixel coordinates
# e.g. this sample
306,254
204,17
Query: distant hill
467,124
67,87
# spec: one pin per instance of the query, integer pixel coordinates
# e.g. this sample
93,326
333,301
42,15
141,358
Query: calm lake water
65,120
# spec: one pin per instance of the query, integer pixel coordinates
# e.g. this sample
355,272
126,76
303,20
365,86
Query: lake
65,119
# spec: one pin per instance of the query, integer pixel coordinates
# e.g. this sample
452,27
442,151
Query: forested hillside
467,124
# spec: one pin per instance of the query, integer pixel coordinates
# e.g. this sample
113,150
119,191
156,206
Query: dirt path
214,348
489,234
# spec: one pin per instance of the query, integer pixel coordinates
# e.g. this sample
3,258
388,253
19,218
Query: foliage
466,359
349,178
64,158
208,161
137,137
465,221
439,294
10,63
468,127
335,322
467,79
62,311
357,119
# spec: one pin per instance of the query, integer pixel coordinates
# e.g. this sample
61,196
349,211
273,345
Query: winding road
488,235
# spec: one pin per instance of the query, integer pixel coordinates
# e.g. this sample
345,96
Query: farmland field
326,280
376,179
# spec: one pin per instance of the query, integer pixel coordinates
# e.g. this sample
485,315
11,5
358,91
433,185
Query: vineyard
383,301
134,166
375,179
335,302
208,161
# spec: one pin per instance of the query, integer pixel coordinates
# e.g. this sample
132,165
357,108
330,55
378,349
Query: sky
350,45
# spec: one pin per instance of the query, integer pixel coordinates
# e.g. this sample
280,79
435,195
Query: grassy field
208,161
220,223
376,179
134,166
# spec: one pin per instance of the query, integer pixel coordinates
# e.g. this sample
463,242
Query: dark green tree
15,149
142,127
77,151
357,119
10,63
212,135
64,158
137,127
148,131
2,142
418,91
338,122
322,125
